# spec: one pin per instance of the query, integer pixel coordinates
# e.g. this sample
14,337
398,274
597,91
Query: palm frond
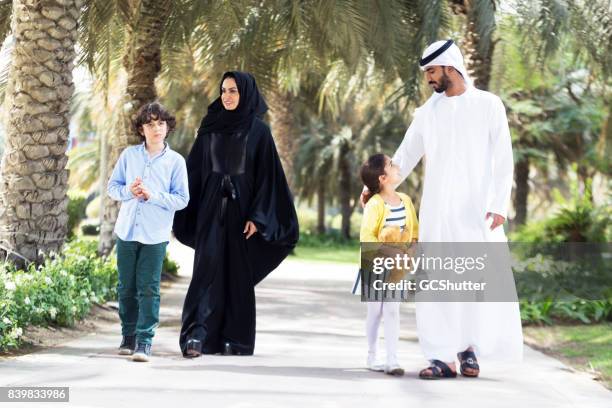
5,65
482,13
390,32
592,27
84,165
101,38
6,11
543,22
430,20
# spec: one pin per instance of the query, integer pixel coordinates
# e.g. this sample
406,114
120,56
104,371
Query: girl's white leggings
389,312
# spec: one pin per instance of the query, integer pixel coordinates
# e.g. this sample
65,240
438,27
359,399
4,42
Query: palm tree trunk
585,175
142,61
521,193
479,17
284,130
345,193
34,179
605,136
321,209
104,198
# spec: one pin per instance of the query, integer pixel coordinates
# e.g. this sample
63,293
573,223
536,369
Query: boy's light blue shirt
165,176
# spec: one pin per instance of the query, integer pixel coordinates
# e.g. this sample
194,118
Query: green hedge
76,211
551,311
576,219
59,292
546,286
554,291
170,267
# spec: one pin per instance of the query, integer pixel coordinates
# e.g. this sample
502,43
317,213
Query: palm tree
315,164
554,119
478,44
527,117
354,121
33,199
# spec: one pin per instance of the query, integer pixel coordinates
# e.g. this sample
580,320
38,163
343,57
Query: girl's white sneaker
373,365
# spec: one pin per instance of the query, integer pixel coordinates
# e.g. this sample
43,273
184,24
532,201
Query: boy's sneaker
128,344
394,369
373,365
142,352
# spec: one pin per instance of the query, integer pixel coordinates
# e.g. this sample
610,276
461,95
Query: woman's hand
249,229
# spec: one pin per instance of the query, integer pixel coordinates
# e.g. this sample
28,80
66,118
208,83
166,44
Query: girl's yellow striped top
376,212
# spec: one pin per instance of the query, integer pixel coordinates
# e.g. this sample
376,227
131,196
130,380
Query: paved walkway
310,353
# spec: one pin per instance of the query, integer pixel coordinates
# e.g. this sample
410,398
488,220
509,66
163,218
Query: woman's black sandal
229,350
467,359
193,348
439,369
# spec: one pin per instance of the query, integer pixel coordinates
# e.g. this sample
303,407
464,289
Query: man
463,133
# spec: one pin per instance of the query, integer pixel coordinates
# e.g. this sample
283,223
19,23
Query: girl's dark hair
371,170
153,111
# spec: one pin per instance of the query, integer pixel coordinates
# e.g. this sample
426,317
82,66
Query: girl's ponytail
371,170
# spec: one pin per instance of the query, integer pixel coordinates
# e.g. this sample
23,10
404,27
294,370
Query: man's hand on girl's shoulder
363,195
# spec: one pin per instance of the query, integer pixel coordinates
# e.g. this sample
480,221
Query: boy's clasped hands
139,190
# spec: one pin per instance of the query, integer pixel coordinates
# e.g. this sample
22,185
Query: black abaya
233,178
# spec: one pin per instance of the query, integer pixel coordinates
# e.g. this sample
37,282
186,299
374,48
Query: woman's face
229,94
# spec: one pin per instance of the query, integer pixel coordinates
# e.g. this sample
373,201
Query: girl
384,208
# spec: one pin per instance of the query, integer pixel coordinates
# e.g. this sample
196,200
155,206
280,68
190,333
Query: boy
150,180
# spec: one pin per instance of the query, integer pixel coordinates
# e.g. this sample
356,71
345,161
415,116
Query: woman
240,220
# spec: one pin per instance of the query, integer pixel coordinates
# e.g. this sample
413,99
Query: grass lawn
87,237
326,248
584,347
340,254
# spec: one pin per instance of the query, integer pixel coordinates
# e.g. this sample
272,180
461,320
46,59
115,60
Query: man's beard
444,82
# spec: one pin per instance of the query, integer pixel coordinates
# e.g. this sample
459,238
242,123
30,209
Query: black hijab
251,105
